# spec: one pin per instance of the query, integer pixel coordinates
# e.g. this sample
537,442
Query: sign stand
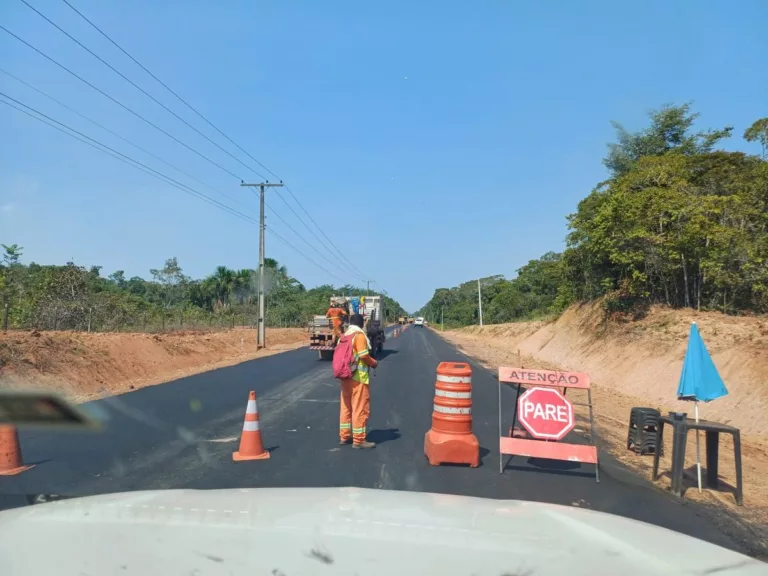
512,446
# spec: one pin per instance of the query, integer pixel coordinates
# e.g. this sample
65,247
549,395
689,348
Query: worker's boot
364,445
345,442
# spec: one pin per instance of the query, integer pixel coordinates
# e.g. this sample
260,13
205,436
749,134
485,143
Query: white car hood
293,531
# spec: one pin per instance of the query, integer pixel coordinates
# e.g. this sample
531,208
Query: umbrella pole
698,447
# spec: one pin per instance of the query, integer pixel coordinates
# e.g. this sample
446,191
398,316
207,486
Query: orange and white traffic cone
11,461
251,444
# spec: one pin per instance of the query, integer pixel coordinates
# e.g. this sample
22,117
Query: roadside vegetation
72,297
679,222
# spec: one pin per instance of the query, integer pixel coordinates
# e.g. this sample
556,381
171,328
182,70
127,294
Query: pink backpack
344,359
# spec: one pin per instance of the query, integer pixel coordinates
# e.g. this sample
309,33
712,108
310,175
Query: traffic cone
11,461
251,445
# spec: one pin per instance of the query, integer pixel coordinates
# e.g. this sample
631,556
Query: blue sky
436,141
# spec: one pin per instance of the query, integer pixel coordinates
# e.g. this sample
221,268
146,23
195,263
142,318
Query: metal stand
587,454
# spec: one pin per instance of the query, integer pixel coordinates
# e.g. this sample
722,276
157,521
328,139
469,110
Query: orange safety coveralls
336,313
356,395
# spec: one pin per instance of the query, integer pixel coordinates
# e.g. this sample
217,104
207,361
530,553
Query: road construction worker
336,313
355,391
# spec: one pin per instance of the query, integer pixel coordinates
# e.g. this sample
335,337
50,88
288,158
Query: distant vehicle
410,320
419,322
402,320
321,328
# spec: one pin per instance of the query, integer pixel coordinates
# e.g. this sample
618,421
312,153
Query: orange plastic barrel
450,440
452,409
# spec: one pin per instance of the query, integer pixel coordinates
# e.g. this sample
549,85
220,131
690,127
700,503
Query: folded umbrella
699,381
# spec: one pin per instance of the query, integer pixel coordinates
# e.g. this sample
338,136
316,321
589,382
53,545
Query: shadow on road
9,501
385,435
384,353
556,467
483,453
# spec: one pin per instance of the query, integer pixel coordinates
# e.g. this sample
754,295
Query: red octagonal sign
545,413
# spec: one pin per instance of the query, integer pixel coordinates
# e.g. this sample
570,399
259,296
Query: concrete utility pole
480,301
260,340
442,324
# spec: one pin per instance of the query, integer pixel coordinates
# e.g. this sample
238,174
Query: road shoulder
747,525
91,366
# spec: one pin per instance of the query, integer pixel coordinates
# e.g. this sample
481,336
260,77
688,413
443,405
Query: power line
127,159
343,257
44,55
300,236
164,85
284,241
299,218
132,83
193,109
93,143
292,229
95,123
323,233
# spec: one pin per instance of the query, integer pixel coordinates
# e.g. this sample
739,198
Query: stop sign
545,413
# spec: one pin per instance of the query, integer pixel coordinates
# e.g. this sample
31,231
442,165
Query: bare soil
85,366
638,364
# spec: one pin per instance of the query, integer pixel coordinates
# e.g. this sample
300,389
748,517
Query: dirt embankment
88,366
639,364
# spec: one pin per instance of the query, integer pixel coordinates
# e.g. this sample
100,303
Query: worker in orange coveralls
355,391
336,313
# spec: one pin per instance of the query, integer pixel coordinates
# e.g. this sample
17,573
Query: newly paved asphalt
182,435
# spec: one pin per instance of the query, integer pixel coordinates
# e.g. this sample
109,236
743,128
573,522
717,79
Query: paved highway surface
182,435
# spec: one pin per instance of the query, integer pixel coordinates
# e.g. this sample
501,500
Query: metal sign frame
554,450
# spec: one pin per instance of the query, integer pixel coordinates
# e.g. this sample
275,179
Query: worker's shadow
384,435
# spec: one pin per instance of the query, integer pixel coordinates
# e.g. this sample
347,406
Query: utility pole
480,301
260,340
442,323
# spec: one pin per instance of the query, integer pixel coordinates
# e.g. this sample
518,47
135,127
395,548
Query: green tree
669,131
758,132
172,281
678,223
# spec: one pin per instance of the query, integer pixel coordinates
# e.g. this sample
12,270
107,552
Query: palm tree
275,265
224,282
242,283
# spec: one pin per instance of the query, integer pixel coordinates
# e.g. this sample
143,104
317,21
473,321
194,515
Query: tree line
678,222
72,297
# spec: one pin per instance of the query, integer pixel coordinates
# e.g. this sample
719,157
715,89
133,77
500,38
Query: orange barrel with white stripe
450,440
452,410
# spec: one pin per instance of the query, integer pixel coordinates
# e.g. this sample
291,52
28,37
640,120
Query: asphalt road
182,435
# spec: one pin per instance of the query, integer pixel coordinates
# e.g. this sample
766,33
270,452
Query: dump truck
402,320
370,307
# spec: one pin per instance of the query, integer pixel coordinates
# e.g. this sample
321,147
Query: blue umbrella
699,381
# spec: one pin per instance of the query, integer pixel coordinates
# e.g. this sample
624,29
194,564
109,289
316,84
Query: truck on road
370,307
